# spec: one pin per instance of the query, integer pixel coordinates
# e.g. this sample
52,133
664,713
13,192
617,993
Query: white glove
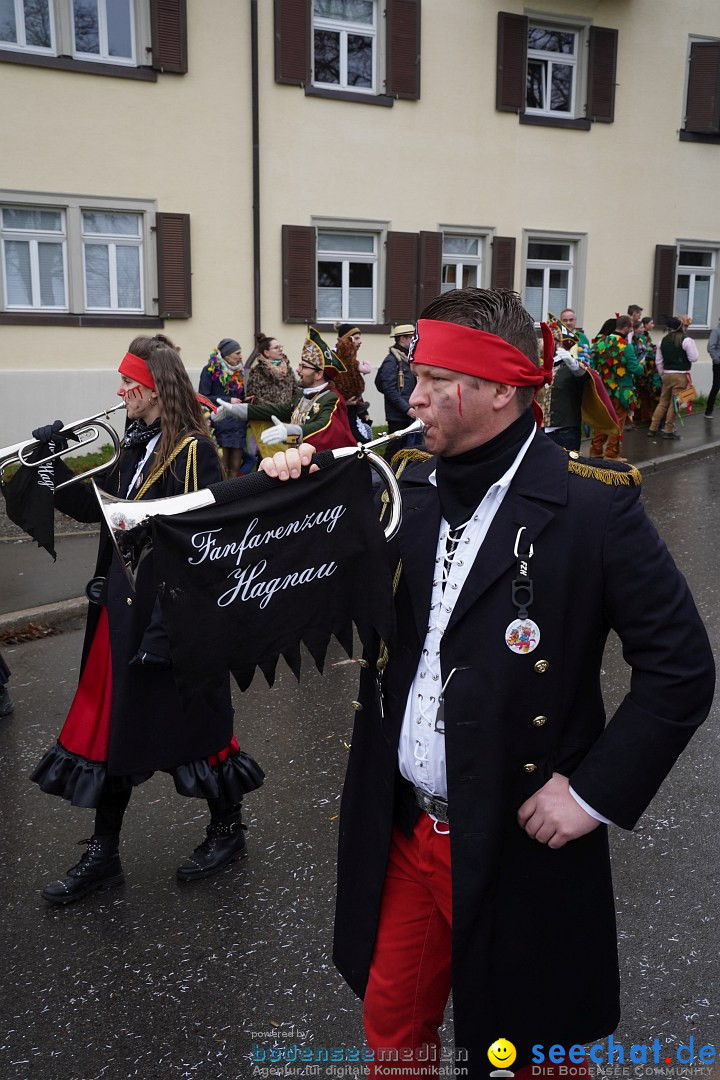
568,359
229,412
281,433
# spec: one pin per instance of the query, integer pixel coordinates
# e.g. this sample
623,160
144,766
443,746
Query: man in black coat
473,852
395,381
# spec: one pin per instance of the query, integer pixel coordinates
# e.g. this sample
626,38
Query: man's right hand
288,465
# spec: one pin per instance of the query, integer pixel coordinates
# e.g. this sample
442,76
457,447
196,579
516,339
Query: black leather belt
432,805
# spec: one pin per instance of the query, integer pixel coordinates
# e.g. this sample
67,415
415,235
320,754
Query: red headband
136,368
475,352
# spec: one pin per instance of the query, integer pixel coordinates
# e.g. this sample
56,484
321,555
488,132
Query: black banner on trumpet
30,496
244,583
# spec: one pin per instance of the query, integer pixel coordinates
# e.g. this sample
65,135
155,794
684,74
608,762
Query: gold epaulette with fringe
398,463
402,458
617,473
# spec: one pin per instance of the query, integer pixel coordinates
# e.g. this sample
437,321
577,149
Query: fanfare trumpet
83,433
127,521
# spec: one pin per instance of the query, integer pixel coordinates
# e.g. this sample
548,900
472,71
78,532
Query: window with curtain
548,277
694,285
346,276
112,258
34,259
461,262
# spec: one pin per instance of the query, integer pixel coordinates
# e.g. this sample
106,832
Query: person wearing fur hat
395,381
350,383
222,379
316,414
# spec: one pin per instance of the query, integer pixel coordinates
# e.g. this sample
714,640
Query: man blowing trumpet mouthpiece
481,751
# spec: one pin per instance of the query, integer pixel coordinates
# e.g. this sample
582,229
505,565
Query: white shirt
138,472
421,749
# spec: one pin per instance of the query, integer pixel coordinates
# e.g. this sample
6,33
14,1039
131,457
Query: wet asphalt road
162,981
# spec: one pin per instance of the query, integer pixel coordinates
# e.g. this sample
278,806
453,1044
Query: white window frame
33,237
62,23
697,271
112,242
378,230
565,25
575,265
103,56
21,45
470,232
343,28
72,207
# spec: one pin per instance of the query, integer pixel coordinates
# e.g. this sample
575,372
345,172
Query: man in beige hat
396,382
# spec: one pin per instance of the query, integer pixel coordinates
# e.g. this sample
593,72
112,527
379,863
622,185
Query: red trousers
411,971
410,974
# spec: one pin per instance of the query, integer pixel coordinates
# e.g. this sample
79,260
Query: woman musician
126,720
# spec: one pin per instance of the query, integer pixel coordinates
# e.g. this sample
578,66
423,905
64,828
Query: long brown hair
179,407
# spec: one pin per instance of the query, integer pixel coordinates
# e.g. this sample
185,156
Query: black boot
225,842
99,868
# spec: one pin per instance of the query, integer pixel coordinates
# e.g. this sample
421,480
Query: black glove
150,660
45,434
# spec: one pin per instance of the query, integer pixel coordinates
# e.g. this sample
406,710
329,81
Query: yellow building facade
214,169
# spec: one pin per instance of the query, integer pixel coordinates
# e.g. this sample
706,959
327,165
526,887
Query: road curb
652,464
13,622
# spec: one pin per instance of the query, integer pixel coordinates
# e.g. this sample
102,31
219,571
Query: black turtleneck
463,481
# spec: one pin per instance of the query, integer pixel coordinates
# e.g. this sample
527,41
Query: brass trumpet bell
83,432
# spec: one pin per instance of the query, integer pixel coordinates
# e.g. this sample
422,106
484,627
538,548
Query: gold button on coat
357,706
539,721
541,666
530,767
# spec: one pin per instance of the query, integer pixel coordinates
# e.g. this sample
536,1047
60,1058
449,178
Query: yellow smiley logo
502,1053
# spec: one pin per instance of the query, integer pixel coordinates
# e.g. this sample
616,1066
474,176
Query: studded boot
99,868
223,844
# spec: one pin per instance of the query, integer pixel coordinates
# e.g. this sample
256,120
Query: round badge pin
522,636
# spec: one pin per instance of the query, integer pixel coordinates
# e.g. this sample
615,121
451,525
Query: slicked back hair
496,311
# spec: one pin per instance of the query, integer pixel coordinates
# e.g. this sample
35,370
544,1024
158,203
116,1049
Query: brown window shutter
401,267
664,283
172,232
702,112
292,41
502,273
429,268
511,62
602,65
168,21
403,49
299,273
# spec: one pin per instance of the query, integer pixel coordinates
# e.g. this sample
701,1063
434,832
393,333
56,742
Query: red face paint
129,392
459,394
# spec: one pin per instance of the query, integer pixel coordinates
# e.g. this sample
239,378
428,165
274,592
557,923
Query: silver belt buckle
432,805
